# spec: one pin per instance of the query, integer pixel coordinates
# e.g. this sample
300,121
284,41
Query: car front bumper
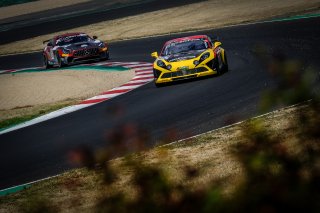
167,77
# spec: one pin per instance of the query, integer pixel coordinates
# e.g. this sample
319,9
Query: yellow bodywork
184,69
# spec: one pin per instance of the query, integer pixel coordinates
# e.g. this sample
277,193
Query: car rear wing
46,41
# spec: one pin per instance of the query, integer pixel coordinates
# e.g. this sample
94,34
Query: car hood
183,56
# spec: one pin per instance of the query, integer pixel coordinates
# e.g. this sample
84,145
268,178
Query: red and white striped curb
143,75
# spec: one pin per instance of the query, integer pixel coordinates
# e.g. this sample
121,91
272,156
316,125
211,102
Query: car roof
68,34
186,39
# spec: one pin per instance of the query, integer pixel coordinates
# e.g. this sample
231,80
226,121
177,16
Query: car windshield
72,39
185,46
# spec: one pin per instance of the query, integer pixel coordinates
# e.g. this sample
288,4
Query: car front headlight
101,45
204,56
65,51
161,64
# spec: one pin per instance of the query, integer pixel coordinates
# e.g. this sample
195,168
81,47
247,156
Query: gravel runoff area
22,93
214,13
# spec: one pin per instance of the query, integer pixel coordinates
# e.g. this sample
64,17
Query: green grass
44,110
4,3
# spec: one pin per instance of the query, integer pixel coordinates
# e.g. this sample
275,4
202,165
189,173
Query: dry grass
210,154
26,110
203,15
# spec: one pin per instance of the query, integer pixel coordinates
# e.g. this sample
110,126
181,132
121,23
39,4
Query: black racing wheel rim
59,61
104,56
226,66
45,62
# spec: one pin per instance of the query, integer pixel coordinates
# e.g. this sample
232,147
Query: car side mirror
217,44
154,55
94,37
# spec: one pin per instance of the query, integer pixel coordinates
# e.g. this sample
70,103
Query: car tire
104,56
46,63
222,66
219,66
60,63
225,64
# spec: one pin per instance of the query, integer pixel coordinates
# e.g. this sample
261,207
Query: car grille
86,52
212,64
184,72
156,73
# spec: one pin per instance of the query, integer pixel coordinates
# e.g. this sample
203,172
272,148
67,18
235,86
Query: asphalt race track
186,108
64,18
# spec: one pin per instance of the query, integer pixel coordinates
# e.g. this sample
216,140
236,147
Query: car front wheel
104,56
222,65
225,63
60,63
46,62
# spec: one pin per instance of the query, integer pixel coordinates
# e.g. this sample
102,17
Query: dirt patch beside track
24,92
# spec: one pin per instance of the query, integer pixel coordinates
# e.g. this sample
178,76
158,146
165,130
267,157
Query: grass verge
29,112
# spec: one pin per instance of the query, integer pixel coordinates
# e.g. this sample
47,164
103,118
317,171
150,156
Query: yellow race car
189,57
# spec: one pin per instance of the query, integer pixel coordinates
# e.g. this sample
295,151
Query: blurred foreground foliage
282,172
